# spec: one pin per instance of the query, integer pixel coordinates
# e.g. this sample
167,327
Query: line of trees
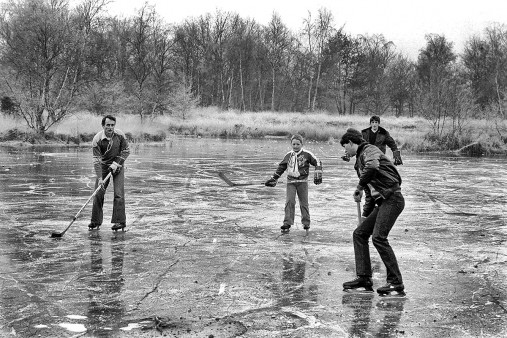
56,59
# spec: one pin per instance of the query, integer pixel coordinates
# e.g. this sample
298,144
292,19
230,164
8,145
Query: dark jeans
301,189
378,225
118,201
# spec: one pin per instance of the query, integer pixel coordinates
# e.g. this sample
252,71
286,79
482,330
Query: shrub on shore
411,134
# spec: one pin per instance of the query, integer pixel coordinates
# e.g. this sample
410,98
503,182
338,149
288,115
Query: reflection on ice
76,317
73,327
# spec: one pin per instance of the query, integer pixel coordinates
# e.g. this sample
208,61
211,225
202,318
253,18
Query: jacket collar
299,152
380,130
102,135
361,147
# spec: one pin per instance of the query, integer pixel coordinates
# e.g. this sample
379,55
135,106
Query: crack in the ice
155,288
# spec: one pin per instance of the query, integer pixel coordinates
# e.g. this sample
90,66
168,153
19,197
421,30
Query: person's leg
119,198
387,215
361,244
98,202
290,204
302,192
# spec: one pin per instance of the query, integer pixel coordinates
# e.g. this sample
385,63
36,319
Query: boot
92,226
391,289
361,283
118,226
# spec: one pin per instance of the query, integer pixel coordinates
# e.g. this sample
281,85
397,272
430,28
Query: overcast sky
404,22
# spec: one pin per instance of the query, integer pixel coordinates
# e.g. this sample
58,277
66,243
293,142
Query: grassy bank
411,134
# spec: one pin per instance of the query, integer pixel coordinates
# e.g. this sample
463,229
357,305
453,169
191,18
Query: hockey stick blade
226,180
232,184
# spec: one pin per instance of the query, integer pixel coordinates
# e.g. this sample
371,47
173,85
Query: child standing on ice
297,163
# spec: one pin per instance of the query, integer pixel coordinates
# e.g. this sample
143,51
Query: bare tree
139,44
44,46
277,38
309,46
435,72
338,65
497,36
323,30
401,77
376,55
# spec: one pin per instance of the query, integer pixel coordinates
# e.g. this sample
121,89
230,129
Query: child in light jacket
297,163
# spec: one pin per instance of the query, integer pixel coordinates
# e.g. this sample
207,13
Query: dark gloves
271,182
397,157
317,177
358,194
346,157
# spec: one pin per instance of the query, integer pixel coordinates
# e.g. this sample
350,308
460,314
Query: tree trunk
261,96
273,91
229,104
222,92
316,87
499,98
242,104
40,124
309,103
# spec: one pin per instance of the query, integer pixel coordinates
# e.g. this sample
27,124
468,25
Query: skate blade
392,294
359,291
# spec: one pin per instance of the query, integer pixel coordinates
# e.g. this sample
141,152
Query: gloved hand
271,182
317,177
115,168
358,194
397,157
100,182
346,157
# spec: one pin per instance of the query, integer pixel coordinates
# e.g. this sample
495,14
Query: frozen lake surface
203,259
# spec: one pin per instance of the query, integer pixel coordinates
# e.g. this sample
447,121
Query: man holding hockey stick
381,183
110,150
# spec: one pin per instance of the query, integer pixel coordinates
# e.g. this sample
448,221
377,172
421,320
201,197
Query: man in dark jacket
110,150
380,137
380,181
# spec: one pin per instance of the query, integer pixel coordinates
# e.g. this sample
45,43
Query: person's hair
111,117
352,135
297,137
375,118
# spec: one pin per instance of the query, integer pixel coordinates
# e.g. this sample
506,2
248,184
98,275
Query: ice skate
285,228
392,290
307,229
118,226
93,226
359,285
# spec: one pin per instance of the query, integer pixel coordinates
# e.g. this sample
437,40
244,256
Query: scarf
292,165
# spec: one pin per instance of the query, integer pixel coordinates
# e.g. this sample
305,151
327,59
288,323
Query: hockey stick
230,183
101,186
358,213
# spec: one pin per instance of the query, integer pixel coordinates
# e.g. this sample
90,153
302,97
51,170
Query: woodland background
57,61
